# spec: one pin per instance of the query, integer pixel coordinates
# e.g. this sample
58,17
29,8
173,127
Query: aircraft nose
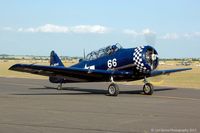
145,58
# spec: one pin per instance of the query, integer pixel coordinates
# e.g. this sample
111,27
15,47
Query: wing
74,74
165,72
71,73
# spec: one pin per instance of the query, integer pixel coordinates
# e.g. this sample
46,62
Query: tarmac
35,106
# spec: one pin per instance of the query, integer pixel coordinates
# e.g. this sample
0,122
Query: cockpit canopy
103,51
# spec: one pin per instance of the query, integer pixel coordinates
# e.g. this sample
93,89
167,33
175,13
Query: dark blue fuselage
137,62
122,57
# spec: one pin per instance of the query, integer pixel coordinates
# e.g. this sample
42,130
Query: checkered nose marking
138,60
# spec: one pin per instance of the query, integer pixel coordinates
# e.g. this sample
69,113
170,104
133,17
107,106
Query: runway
32,105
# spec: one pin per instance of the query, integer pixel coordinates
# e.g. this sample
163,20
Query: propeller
150,38
151,57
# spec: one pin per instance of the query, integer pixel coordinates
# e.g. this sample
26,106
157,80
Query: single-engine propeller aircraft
109,64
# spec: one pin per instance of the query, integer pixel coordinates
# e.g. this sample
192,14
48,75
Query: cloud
7,28
130,32
143,32
170,36
197,34
174,36
187,35
148,32
150,35
89,29
50,28
193,34
47,28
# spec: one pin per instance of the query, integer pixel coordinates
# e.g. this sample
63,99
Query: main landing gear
59,86
148,88
113,89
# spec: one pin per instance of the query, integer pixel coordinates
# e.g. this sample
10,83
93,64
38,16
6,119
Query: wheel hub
146,88
111,90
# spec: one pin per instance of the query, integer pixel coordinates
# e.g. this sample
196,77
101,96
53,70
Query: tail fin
55,60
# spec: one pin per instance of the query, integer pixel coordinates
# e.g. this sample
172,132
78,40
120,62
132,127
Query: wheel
59,87
113,89
148,89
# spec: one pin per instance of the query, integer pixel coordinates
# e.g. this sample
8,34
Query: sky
35,27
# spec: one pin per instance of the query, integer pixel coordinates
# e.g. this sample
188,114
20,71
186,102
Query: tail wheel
113,89
148,89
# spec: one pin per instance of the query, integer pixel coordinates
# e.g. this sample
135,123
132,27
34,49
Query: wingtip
13,67
189,68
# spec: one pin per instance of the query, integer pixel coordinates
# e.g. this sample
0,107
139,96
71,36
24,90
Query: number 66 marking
112,63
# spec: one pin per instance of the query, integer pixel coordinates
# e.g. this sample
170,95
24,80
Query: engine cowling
145,59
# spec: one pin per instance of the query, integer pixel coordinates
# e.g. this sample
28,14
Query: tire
59,87
113,89
148,89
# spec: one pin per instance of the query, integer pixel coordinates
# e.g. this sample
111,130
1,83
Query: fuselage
138,61
123,59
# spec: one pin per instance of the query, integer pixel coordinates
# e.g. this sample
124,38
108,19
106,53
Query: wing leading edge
165,72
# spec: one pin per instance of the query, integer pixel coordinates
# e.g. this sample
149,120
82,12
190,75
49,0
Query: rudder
55,60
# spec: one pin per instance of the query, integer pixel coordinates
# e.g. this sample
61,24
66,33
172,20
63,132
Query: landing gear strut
148,88
59,86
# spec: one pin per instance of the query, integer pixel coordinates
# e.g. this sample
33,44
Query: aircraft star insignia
90,67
